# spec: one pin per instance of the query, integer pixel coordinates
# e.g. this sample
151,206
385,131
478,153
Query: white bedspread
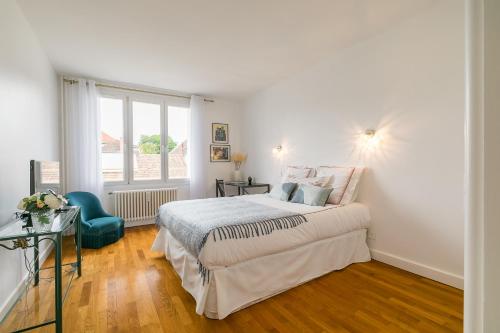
323,222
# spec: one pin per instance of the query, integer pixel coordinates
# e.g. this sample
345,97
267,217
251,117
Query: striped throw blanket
191,222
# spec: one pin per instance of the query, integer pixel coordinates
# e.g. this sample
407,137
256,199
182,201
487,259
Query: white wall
227,112
492,165
28,120
408,83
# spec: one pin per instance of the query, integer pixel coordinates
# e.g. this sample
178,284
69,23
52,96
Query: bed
233,272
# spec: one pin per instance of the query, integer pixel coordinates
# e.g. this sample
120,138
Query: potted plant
41,207
238,159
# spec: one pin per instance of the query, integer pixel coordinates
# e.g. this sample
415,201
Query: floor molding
130,224
22,284
420,269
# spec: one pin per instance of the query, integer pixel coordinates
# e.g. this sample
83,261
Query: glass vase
237,175
42,221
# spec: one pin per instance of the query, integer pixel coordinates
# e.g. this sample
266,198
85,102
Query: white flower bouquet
41,206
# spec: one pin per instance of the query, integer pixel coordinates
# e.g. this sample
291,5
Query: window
144,139
177,141
49,172
112,139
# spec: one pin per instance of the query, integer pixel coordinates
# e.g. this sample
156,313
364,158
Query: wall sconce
371,139
277,149
370,132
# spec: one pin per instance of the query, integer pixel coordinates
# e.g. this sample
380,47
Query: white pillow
293,173
352,189
316,181
325,181
341,178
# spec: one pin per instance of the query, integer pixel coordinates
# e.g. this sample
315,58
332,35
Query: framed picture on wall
220,153
220,133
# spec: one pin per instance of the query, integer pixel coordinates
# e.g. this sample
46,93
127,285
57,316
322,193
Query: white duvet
323,222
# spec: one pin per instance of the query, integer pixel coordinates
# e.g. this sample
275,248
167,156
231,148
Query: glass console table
243,186
15,236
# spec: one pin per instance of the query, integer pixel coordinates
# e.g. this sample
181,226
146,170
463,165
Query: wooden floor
127,288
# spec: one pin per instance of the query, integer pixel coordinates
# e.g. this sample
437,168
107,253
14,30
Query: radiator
135,205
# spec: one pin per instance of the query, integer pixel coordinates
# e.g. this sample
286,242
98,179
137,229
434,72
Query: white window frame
113,94
128,162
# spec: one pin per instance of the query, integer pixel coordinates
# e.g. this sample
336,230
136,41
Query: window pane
49,172
112,138
147,141
178,129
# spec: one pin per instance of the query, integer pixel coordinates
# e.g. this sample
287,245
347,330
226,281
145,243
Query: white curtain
199,148
82,138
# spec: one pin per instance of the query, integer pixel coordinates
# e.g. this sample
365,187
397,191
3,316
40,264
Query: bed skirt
235,287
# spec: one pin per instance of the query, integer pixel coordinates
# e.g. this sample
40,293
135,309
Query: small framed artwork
220,153
220,133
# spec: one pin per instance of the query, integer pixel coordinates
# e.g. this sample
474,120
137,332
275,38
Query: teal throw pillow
311,195
282,191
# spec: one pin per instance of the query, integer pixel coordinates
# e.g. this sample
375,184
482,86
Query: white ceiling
224,48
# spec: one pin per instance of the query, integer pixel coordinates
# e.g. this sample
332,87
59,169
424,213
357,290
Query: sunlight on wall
370,141
374,145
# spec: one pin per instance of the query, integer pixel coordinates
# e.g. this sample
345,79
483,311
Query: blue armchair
98,227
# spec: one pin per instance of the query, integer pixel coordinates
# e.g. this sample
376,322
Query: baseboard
130,224
22,284
420,269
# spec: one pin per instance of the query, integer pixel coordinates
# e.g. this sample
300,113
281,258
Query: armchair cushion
98,227
105,224
90,205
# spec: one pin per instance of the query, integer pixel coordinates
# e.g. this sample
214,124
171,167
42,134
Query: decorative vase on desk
238,159
42,221
237,175
41,208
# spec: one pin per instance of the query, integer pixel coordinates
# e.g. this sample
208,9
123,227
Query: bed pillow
282,191
296,172
311,195
341,178
352,189
315,181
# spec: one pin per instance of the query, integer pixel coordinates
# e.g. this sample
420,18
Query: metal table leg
36,265
78,230
58,282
